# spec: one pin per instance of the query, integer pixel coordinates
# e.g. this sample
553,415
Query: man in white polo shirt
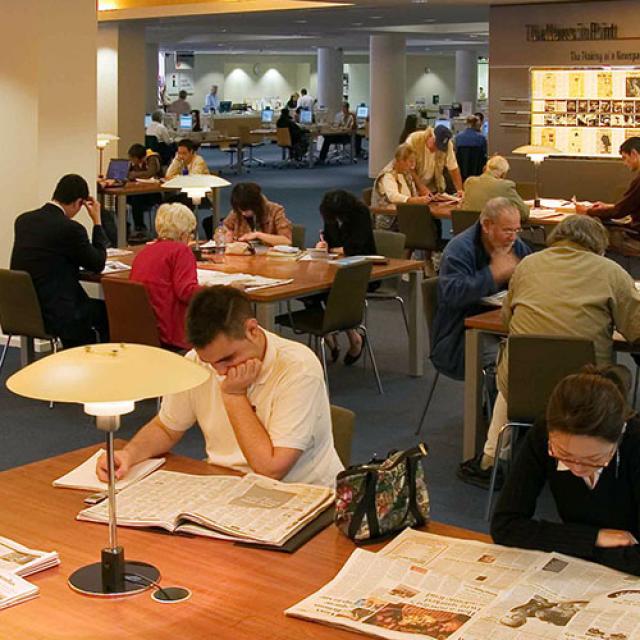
264,409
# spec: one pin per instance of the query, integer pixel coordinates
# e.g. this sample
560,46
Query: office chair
342,424
462,219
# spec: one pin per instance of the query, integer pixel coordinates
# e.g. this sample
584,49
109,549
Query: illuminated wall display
585,111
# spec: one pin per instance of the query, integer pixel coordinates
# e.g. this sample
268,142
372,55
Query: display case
585,111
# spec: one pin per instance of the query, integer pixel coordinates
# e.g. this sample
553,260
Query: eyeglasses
587,464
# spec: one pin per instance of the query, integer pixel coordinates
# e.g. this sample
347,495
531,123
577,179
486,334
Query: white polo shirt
290,400
426,160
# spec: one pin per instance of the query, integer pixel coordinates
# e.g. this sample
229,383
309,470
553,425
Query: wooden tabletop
134,188
309,276
437,209
239,593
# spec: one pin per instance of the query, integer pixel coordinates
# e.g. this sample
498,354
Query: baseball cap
443,135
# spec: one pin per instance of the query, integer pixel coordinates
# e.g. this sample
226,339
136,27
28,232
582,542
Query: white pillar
466,77
330,79
151,77
387,62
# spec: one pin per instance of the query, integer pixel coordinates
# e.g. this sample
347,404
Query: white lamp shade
103,139
107,373
531,150
196,184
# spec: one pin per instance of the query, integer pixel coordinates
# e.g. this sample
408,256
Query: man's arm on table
152,440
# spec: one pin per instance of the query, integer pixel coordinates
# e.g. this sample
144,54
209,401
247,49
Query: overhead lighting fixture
300,21
356,24
375,17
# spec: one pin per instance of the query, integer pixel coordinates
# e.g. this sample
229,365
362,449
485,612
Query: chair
283,140
390,245
298,232
151,142
248,142
536,365
342,423
418,226
366,196
527,190
131,316
462,219
344,310
20,313
230,148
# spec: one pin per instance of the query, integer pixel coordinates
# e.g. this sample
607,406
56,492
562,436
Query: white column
151,77
330,79
387,110
466,77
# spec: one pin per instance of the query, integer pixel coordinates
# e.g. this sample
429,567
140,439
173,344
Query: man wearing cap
434,152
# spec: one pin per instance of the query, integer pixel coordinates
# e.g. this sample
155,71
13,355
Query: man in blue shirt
212,102
476,263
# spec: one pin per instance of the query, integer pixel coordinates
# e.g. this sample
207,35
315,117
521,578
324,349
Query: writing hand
253,235
241,377
608,538
322,245
121,460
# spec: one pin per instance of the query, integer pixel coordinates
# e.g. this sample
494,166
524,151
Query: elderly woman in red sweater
167,268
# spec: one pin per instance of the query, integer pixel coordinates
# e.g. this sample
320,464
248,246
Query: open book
251,509
84,476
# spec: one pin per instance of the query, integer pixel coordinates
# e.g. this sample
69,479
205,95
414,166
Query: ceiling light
419,1
375,17
429,20
301,21
356,24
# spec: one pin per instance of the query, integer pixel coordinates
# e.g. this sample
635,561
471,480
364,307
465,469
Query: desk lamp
108,379
102,140
537,154
196,187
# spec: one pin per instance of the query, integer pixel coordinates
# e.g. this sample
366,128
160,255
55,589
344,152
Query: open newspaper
426,586
251,508
209,277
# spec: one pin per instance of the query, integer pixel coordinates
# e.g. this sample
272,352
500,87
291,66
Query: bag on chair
381,497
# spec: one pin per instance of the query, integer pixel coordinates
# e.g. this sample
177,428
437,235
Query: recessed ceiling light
356,24
419,1
375,17
301,21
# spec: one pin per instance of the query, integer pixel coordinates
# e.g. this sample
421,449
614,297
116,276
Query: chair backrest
298,232
416,222
527,190
462,219
345,304
536,365
389,244
151,142
366,196
342,423
20,313
430,300
131,316
283,137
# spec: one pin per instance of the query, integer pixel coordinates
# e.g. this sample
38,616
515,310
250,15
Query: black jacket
52,248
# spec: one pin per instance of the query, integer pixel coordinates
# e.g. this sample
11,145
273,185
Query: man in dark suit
52,248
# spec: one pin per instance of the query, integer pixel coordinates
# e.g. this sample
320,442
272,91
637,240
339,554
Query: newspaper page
384,597
14,590
566,598
209,277
251,507
490,566
20,560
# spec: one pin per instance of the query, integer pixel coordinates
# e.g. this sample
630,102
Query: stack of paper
22,561
15,590
208,277
113,252
114,265
84,476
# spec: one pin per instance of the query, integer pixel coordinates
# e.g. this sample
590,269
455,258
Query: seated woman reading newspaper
588,452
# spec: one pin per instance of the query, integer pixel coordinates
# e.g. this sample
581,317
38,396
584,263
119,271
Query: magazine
426,586
22,561
15,590
250,508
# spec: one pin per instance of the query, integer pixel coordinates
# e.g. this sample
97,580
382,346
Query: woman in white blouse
396,184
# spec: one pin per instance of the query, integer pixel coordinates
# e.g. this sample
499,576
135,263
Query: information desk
239,593
314,276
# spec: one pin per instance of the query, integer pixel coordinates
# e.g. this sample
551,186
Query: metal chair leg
323,359
404,313
367,343
494,471
426,406
4,351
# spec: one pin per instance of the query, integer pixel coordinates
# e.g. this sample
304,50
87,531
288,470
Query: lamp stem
113,529
536,200
101,150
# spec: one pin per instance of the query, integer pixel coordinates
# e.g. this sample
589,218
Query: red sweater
167,268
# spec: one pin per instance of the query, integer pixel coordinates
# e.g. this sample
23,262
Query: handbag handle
367,505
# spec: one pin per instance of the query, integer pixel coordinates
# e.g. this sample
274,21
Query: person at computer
305,101
299,137
264,408
180,105
167,268
253,217
397,183
435,153
586,450
493,183
568,289
212,102
345,121
143,164
292,104
52,247
187,161
156,128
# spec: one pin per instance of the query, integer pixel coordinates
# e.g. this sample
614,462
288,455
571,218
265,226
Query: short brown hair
591,403
215,310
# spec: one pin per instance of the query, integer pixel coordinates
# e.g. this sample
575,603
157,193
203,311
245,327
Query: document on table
21,561
112,266
84,476
113,252
496,299
208,277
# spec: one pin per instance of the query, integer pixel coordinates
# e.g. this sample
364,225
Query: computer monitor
147,120
118,170
185,122
362,113
267,116
443,121
225,106
306,117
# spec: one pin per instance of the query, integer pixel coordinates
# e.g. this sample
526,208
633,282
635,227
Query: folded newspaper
426,586
209,277
251,509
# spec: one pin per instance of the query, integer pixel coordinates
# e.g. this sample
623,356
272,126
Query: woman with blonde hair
398,183
478,190
167,268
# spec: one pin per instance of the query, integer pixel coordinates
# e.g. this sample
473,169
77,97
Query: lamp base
536,203
89,580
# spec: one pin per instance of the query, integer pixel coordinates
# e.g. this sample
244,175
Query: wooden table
239,593
315,276
440,210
